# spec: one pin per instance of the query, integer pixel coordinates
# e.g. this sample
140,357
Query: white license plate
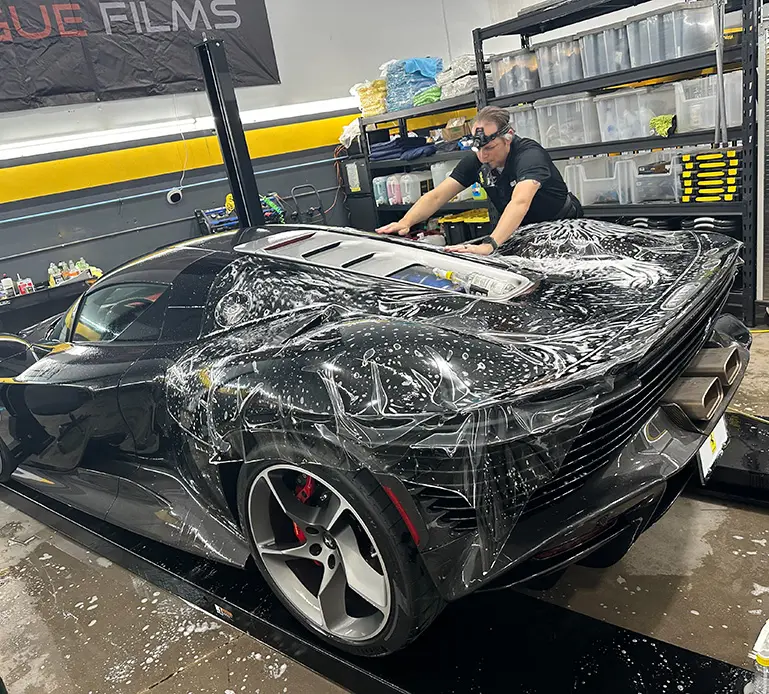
712,449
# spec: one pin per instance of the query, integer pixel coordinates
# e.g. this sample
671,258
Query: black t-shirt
527,161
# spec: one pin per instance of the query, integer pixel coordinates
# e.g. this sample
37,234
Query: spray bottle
760,683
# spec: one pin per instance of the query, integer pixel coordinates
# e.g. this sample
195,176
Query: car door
64,409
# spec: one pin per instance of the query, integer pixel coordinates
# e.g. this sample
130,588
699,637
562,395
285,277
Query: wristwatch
490,240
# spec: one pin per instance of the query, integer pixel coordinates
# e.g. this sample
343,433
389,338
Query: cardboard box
456,129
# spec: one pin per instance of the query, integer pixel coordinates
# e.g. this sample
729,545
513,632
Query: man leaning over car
517,174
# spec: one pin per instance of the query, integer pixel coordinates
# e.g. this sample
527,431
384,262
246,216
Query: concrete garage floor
75,623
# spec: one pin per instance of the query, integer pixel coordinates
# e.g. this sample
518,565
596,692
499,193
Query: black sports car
383,426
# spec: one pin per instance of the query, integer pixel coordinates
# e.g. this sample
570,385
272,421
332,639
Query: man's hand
476,248
395,228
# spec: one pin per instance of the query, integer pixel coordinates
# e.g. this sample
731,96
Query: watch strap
490,240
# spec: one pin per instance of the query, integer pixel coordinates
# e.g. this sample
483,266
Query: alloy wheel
319,553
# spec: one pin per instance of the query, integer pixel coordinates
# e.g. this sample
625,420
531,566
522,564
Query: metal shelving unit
541,20
401,118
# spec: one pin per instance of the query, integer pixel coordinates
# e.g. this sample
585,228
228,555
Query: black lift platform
742,472
486,643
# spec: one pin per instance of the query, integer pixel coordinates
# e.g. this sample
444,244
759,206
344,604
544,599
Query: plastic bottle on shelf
379,186
54,276
73,271
8,286
81,264
26,285
394,195
414,186
64,271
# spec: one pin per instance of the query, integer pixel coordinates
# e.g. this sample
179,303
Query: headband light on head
481,139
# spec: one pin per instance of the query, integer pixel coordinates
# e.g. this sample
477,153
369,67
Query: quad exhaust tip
721,362
698,397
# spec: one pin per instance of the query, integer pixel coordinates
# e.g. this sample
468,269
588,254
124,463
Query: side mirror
16,356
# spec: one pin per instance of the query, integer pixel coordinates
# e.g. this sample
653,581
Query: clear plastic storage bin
567,120
514,72
684,29
625,114
524,121
697,102
601,180
656,177
604,51
558,62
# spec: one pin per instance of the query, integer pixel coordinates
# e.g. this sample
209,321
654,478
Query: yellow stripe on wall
92,170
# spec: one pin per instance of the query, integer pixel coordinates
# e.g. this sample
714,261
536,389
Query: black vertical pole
481,96
229,129
750,20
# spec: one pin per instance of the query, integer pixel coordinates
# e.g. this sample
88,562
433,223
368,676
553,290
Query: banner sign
55,53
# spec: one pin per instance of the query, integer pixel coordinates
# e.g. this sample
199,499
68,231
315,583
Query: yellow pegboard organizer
717,174
709,198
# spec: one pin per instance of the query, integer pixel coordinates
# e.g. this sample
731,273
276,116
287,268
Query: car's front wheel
335,550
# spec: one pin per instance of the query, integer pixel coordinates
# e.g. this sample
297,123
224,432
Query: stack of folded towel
402,148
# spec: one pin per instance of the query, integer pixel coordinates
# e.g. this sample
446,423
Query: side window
124,312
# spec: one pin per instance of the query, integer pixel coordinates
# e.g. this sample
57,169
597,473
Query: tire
413,601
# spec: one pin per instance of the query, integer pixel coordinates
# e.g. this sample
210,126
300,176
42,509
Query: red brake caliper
303,493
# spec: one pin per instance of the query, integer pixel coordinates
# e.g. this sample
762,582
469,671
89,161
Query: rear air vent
446,508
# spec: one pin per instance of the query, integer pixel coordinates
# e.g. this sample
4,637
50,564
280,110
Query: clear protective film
482,408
